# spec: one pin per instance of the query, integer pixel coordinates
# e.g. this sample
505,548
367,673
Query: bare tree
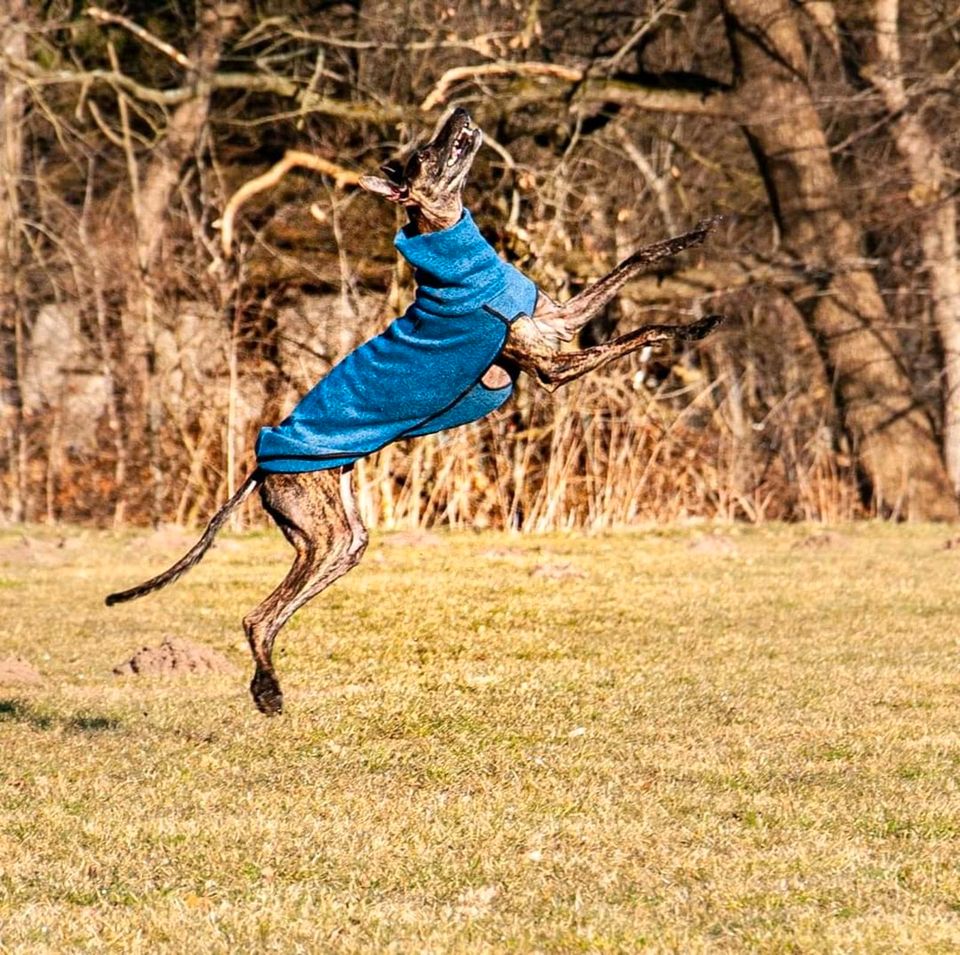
605,124
892,437
931,193
152,195
13,29
772,100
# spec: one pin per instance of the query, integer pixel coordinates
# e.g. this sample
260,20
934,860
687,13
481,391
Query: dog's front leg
570,317
551,369
534,341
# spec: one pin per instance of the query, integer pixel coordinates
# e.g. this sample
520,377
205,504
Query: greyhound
316,510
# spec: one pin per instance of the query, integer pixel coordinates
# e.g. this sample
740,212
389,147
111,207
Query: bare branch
646,24
310,91
485,44
656,182
248,82
104,16
292,158
710,99
133,172
824,18
455,75
104,128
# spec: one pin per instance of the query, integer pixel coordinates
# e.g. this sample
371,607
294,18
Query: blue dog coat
423,373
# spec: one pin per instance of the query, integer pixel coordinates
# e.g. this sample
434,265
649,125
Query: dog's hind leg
317,513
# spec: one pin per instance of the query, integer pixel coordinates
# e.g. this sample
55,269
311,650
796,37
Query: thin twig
130,156
104,16
656,182
612,62
311,90
485,44
246,82
711,99
293,157
104,128
452,76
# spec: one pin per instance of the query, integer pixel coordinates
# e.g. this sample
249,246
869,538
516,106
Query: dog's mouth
443,163
463,142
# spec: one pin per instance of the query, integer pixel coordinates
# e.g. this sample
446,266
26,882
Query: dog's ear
380,187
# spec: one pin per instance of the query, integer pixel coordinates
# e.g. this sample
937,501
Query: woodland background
137,361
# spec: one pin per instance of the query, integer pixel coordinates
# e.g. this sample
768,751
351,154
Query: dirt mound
16,670
175,657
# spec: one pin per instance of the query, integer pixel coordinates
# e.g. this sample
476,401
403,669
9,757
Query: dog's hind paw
266,692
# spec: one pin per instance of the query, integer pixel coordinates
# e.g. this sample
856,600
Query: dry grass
605,454
737,427
740,745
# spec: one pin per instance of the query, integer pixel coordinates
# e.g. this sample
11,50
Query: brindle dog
316,510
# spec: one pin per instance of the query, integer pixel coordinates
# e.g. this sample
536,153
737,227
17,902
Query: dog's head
429,182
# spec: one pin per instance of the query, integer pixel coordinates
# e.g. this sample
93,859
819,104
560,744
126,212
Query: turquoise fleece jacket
423,373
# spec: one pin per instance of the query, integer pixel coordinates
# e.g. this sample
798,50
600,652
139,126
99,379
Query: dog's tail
194,555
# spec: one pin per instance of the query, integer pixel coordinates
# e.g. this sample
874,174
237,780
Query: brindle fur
316,510
318,515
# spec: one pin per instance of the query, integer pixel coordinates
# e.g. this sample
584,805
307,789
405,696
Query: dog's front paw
701,328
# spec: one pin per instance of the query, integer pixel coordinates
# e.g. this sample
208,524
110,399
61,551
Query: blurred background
137,361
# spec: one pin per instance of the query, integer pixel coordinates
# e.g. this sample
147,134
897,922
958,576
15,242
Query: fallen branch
292,158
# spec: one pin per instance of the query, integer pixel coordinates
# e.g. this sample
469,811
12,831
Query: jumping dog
316,510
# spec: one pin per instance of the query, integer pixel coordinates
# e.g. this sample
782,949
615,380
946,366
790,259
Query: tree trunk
94,284
892,438
930,193
14,45
152,199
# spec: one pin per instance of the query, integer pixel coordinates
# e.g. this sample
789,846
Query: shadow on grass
17,711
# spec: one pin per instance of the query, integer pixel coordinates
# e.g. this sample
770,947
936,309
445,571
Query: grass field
689,741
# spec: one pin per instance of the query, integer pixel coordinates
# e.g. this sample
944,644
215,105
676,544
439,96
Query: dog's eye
393,170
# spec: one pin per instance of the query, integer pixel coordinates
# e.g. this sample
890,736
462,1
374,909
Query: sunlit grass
658,744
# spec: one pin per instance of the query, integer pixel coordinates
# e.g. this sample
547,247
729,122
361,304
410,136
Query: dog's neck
423,222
